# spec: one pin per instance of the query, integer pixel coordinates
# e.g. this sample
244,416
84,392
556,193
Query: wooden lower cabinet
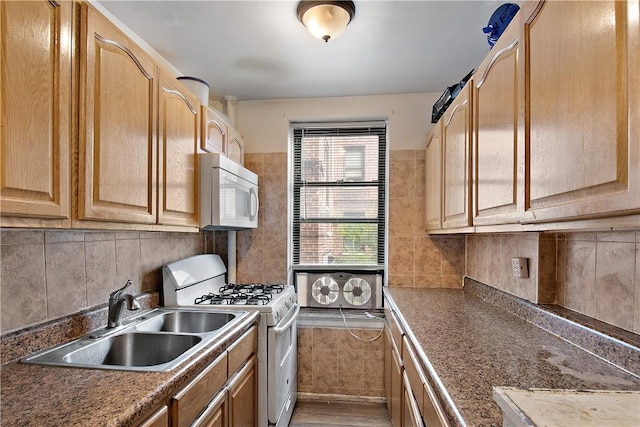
189,403
224,394
392,379
243,396
160,418
216,413
411,416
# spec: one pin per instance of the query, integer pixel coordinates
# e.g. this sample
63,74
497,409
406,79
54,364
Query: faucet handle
118,292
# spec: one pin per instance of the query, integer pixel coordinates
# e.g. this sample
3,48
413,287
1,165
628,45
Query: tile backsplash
47,274
596,274
416,259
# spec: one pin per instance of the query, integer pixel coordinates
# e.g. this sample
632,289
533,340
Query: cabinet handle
125,50
501,52
175,92
253,194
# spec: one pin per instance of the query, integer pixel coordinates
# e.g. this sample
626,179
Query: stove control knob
288,303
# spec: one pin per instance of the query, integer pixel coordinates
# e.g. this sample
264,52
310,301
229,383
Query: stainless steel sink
133,349
195,322
158,340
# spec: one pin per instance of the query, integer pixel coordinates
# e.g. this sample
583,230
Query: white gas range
199,282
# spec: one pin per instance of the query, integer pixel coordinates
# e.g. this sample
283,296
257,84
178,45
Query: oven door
282,367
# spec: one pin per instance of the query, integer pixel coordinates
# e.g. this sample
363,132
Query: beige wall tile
430,281
9,236
100,265
452,281
325,369
96,236
325,338
581,276
471,252
66,278
428,256
401,255
401,280
401,216
419,217
622,237
23,285
350,368
402,177
614,283
55,236
453,255
636,327
420,183
547,285
404,154
128,264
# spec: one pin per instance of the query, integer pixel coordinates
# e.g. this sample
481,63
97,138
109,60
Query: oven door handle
278,330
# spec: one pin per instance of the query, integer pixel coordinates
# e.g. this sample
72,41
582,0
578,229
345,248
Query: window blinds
338,195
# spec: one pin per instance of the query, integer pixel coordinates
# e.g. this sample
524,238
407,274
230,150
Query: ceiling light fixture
326,19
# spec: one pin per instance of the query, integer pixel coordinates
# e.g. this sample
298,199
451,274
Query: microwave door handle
253,194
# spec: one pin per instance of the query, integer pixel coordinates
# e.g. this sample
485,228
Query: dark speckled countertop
468,345
34,395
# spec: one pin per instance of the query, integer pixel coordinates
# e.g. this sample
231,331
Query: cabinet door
160,418
411,413
396,389
216,413
235,146
35,112
496,154
456,132
117,148
179,135
433,179
190,402
243,396
582,109
214,131
388,368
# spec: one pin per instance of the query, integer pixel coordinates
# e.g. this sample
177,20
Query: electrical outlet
519,267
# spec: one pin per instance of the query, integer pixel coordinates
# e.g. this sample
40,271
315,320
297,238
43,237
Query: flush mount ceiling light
326,19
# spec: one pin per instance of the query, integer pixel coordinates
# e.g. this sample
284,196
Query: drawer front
242,349
426,398
189,402
414,372
160,418
396,331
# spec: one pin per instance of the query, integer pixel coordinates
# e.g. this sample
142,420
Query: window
338,195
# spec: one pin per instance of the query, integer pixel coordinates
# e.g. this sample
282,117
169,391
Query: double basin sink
157,340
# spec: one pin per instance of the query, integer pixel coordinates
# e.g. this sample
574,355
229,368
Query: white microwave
228,194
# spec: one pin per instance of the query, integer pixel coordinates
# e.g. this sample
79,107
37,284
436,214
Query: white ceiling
258,50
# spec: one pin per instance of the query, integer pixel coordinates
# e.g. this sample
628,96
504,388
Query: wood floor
319,413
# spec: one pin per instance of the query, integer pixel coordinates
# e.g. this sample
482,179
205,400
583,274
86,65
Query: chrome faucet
116,301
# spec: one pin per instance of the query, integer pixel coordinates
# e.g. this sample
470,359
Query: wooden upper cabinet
214,131
456,136
179,137
117,144
496,155
433,179
35,114
235,146
582,95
